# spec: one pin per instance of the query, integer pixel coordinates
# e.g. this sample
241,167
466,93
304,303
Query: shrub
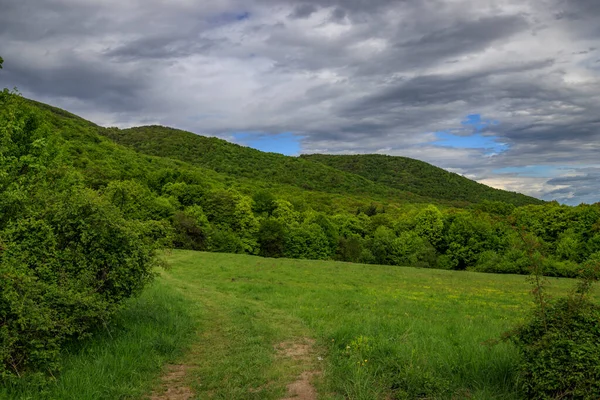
68,258
561,351
560,345
63,271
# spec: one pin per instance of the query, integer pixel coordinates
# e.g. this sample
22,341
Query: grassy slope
421,331
382,332
419,177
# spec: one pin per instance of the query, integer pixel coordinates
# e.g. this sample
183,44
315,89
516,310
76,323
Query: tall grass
123,360
386,332
381,332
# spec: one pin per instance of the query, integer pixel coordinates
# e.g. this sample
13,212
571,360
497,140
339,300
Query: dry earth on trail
301,388
172,387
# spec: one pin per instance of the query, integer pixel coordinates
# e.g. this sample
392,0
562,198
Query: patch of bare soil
296,350
301,388
172,387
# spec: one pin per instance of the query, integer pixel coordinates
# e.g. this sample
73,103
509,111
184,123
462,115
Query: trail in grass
383,332
244,350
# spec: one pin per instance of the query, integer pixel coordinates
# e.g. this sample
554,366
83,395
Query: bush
561,351
271,238
63,271
68,258
560,344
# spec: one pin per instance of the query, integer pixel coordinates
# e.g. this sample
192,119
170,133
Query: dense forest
418,177
208,194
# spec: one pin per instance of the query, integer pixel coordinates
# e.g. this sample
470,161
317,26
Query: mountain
420,178
401,178
244,162
105,154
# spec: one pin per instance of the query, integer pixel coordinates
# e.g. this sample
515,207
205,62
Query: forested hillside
419,177
244,162
207,194
403,179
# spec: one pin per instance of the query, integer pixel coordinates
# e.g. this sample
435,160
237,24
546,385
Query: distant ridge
419,177
378,178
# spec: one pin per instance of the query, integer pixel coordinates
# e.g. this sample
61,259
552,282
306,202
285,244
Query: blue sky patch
471,137
284,143
243,16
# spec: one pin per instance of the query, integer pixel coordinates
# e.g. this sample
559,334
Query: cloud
346,76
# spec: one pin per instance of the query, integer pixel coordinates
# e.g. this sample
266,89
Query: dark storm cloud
303,11
101,84
162,48
346,75
463,36
582,187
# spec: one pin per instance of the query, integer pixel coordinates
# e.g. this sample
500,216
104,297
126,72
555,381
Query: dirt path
173,386
303,351
233,356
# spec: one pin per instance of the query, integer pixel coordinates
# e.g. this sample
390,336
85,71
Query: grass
384,332
381,332
124,361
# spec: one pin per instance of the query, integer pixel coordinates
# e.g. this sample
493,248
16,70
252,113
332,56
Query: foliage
430,225
264,203
192,229
64,270
307,241
68,258
237,196
271,238
419,177
560,341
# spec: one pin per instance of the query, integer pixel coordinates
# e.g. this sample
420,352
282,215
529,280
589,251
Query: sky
505,92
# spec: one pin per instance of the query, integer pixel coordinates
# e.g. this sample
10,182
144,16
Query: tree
264,203
1,61
192,228
68,257
271,238
467,237
430,225
307,241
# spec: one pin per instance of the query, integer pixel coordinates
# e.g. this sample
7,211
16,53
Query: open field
368,332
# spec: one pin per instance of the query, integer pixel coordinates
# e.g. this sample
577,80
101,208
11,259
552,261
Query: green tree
264,203
467,237
284,211
192,229
430,225
272,238
306,241
245,224
383,245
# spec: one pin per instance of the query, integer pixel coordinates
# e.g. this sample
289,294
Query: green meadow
375,332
